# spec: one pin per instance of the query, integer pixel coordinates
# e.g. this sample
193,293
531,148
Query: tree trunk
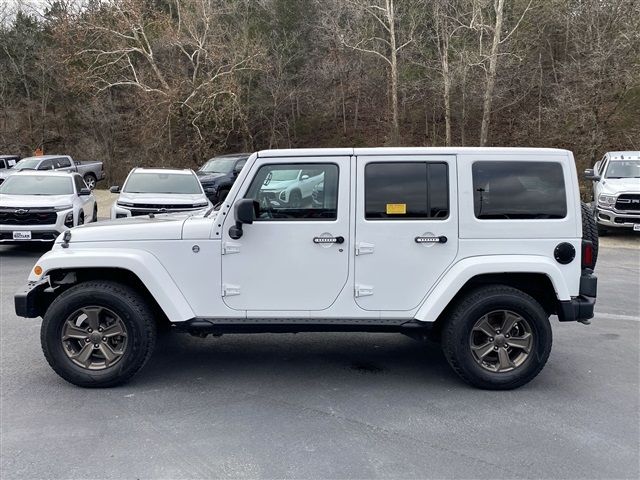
395,128
491,76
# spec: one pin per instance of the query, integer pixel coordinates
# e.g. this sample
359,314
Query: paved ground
328,405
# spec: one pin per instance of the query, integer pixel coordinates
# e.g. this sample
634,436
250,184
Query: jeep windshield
27,164
623,169
161,182
37,185
218,165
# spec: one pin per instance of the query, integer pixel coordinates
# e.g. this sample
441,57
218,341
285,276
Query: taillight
587,254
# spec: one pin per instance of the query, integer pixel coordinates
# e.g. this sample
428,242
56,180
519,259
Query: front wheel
497,338
98,334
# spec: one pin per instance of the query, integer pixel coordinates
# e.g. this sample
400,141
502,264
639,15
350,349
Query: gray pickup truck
92,172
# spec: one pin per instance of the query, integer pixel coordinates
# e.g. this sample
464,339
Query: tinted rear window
519,190
406,191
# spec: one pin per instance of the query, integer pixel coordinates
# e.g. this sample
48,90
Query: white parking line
613,316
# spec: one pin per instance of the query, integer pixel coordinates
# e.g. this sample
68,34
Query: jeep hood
161,199
160,227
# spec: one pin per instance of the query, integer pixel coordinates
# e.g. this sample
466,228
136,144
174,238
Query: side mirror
246,211
115,189
84,192
304,177
590,174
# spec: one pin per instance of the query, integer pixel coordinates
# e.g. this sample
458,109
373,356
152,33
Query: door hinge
230,290
363,290
363,248
230,247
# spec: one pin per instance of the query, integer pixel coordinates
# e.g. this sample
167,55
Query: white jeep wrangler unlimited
475,247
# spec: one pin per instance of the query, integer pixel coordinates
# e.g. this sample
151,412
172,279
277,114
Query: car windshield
623,169
37,185
219,165
27,164
162,182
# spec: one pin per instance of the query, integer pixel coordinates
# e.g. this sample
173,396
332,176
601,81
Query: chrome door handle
321,240
440,239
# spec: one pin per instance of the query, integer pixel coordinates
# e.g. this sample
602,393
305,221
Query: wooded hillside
173,82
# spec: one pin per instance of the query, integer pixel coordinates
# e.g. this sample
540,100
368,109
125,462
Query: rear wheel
91,180
98,334
497,338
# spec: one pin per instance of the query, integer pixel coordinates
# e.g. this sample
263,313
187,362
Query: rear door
406,228
293,257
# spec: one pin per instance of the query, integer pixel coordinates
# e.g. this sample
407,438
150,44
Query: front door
295,256
406,228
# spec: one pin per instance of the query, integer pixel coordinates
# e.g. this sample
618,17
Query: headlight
124,204
68,220
606,200
62,208
283,196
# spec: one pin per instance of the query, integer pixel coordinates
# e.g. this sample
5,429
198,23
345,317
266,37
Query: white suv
476,247
616,191
39,206
159,190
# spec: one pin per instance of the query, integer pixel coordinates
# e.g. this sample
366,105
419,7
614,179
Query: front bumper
39,233
30,300
580,308
610,218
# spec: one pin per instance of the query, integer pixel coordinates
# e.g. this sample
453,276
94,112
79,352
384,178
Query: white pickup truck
475,247
91,172
616,191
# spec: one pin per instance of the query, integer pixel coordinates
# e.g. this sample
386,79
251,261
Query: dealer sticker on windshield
22,235
396,208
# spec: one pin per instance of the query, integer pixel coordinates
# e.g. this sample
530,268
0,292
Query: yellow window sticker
396,208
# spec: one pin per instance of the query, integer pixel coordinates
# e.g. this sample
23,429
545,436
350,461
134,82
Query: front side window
46,165
36,185
296,192
406,191
162,182
79,183
518,190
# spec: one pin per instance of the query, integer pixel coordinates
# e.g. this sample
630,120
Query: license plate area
22,235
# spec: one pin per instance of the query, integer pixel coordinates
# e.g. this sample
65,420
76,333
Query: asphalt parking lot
329,405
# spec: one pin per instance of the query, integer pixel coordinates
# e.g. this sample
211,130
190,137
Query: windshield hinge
364,290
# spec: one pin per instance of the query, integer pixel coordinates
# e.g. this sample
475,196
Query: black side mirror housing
115,189
84,192
590,174
246,211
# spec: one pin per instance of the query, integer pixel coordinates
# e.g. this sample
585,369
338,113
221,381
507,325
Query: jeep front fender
464,270
139,262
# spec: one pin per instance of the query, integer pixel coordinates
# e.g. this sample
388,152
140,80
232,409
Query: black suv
219,173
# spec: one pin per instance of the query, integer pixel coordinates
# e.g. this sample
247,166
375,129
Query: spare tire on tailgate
590,229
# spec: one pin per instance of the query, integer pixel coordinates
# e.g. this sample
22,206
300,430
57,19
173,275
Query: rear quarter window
518,190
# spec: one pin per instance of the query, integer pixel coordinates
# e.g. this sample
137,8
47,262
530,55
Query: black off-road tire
590,229
122,300
473,306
